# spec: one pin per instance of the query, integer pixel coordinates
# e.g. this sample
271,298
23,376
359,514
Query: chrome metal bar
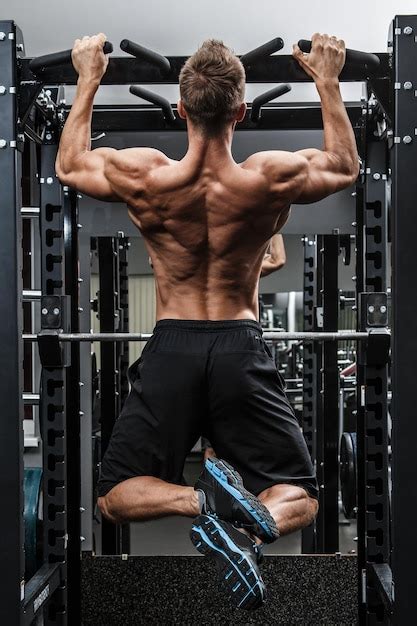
29,211
271,336
31,398
31,295
308,336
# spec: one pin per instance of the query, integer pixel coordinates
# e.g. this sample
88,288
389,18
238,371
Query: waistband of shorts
207,325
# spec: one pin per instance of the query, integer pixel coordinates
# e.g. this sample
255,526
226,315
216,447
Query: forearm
339,138
277,250
76,136
269,266
275,258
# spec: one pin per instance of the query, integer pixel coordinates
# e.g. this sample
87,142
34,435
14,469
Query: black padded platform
183,590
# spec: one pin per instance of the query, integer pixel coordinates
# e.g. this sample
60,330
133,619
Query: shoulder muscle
127,169
285,171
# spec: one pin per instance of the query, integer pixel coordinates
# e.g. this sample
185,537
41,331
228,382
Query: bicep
89,174
324,175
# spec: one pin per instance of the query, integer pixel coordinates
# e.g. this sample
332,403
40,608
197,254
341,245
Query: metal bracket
55,312
373,315
373,309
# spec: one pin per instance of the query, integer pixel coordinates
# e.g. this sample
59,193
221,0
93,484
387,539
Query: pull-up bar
150,67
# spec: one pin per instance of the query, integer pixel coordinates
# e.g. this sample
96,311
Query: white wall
177,28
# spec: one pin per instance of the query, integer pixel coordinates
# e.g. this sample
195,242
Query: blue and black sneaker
226,498
237,558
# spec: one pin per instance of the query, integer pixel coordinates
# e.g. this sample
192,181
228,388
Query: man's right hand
88,58
326,59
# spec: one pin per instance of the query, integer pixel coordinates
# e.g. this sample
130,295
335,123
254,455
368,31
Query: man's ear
241,113
181,110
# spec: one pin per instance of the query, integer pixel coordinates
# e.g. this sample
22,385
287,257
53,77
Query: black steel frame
109,322
60,390
41,587
310,372
73,409
52,407
11,353
112,261
321,387
404,194
327,435
373,512
123,244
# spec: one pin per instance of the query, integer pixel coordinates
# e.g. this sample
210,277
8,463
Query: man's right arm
337,165
104,173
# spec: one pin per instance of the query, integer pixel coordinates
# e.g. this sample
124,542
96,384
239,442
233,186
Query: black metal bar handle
276,92
40,64
156,59
354,57
263,51
156,99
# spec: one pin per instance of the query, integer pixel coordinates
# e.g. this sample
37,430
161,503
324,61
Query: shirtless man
207,222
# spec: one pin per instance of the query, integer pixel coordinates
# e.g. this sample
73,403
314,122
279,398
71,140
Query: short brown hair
212,86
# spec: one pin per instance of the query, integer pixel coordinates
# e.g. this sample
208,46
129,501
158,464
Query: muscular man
207,222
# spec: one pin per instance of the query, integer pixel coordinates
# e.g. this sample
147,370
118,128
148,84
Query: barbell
269,336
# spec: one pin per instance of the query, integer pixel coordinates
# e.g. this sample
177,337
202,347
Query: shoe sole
231,481
239,579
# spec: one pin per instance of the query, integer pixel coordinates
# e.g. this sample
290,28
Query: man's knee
108,508
309,505
309,509
312,508
104,506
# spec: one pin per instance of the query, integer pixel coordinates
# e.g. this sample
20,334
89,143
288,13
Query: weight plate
32,489
348,464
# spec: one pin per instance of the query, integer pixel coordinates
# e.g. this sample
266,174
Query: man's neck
202,147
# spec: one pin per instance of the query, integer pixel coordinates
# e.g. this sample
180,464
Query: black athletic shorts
215,379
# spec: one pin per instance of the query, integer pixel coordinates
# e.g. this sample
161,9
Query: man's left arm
275,258
77,165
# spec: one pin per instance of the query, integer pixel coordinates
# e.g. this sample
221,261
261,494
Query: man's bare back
205,233
207,220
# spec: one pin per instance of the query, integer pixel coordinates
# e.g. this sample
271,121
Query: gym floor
169,536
